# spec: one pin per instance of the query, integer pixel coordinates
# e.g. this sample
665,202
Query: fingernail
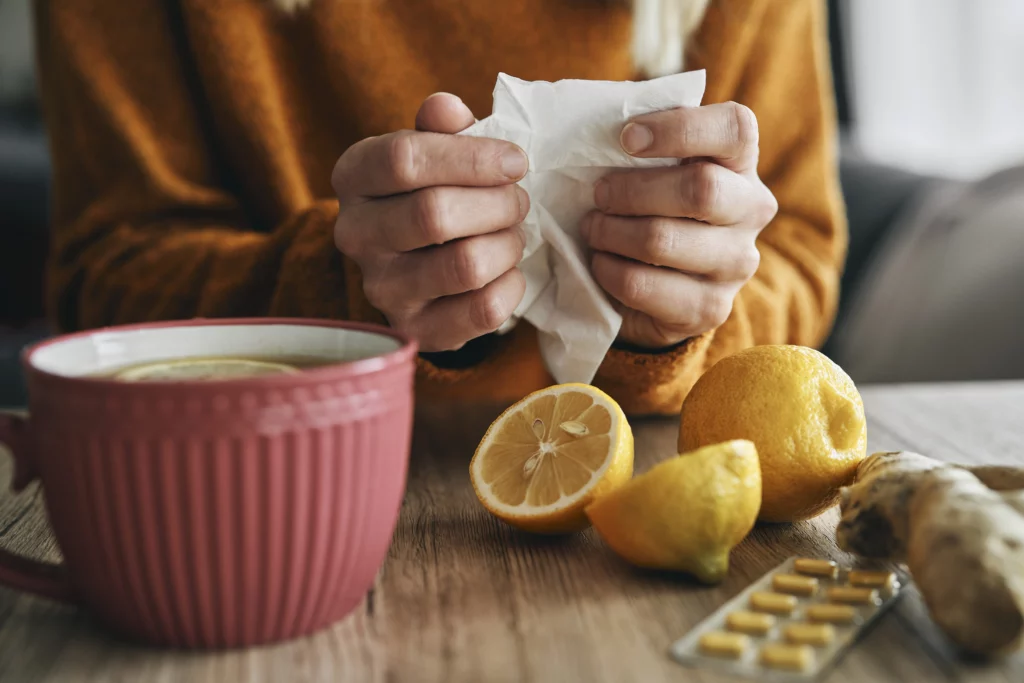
524,201
636,138
445,94
514,163
601,194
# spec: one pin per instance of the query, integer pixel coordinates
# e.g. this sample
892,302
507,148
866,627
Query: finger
410,160
726,132
444,113
703,191
715,253
436,215
669,296
449,322
461,266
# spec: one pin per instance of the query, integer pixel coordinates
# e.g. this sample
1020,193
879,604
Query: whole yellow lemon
802,412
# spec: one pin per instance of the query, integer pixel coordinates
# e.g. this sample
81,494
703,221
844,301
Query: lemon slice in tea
190,369
547,457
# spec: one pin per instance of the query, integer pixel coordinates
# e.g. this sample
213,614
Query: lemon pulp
545,458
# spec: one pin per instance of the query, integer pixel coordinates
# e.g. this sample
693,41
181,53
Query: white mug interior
107,350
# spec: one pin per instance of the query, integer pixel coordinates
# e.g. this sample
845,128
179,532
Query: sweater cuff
474,352
473,359
621,366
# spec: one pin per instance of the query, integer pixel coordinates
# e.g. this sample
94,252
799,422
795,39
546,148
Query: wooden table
464,598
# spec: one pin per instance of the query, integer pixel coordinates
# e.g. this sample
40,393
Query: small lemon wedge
187,369
546,458
685,514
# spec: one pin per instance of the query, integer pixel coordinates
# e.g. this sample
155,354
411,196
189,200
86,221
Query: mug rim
330,371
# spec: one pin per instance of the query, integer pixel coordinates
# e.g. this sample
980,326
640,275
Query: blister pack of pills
793,623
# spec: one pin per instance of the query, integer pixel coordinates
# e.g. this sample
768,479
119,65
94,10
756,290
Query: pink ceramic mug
215,514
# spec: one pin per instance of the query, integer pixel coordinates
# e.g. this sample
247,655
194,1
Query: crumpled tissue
570,132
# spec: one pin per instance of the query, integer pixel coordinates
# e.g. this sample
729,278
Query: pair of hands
432,219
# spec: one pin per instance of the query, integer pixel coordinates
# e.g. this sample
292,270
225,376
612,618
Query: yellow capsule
774,603
750,622
826,568
832,614
810,634
718,644
853,596
791,657
795,585
883,581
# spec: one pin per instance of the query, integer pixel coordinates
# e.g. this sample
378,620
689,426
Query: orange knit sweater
193,142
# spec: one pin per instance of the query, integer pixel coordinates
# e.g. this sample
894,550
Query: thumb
444,113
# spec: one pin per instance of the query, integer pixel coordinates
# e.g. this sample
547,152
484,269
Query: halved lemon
686,513
548,456
202,369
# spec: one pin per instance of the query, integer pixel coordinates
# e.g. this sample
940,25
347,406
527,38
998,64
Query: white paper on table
570,131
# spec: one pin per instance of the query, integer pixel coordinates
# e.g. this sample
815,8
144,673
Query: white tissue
570,131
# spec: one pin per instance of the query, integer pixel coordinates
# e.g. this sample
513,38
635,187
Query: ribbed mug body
229,514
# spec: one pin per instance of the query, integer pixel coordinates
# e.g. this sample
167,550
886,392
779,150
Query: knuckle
660,241
687,134
519,235
768,207
429,331
748,262
402,159
467,271
715,308
485,158
404,323
744,124
636,286
519,282
595,223
430,215
344,237
705,187
377,292
400,324
339,176
513,208
488,311
617,195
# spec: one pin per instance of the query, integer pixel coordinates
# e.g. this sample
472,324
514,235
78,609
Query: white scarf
660,30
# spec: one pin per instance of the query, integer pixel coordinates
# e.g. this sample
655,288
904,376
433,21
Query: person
288,158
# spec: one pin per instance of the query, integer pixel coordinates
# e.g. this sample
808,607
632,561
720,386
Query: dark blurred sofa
24,188
24,191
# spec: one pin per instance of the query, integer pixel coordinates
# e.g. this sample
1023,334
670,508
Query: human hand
673,246
432,219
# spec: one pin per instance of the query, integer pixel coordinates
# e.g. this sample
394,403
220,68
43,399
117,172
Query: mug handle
21,573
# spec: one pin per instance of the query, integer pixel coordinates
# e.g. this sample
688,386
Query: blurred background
929,95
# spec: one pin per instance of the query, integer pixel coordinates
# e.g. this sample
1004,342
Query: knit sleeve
146,224
772,57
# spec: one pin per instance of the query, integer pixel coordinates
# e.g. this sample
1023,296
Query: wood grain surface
464,598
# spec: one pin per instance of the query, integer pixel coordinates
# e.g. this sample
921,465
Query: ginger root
960,531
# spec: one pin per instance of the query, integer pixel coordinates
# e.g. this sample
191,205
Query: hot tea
211,368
